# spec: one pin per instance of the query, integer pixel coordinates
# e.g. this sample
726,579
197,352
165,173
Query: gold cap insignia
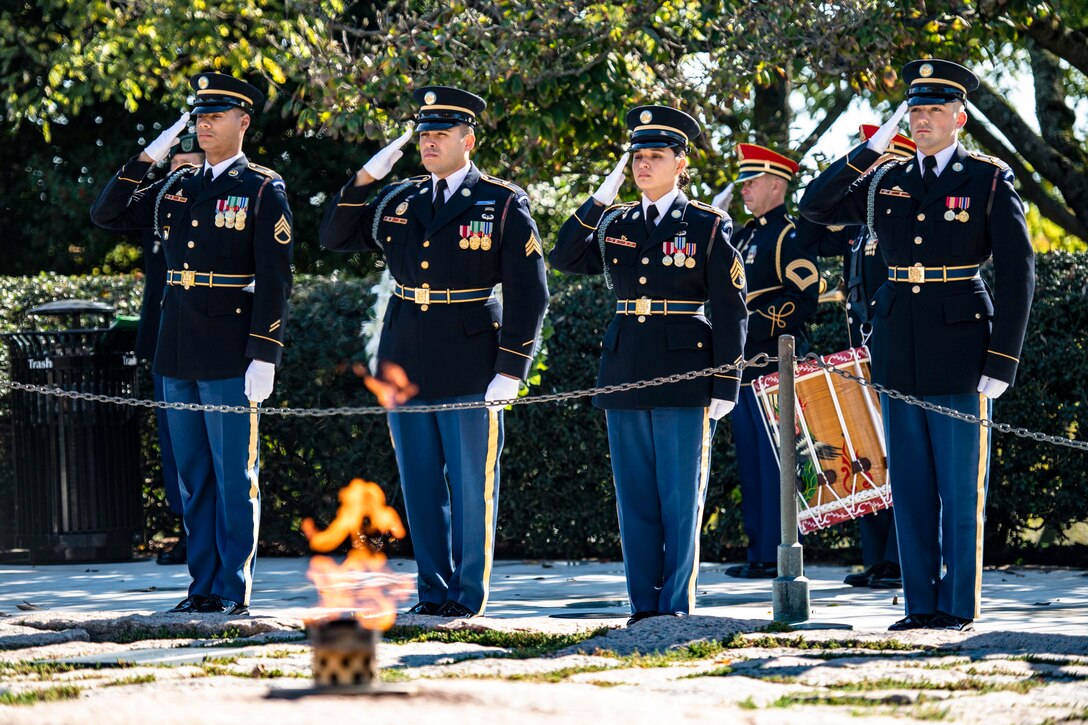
645,116
202,82
926,70
430,98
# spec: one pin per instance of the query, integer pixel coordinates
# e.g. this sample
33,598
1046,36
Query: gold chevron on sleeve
736,273
802,273
533,245
282,231
274,326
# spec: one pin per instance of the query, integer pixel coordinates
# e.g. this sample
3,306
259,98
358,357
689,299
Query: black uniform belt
187,279
428,296
658,307
920,275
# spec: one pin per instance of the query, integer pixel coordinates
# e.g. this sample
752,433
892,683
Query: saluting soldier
783,287
938,334
666,257
225,227
449,238
865,271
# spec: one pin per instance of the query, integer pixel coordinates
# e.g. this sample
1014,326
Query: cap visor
748,175
213,108
931,100
436,125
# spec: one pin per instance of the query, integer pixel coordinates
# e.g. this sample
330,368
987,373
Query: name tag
622,241
895,192
395,219
174,197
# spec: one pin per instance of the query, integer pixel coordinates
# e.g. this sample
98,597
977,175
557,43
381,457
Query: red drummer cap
758,160
900,145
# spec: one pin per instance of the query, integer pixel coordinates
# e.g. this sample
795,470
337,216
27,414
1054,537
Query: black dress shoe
455,610
235,609
189,604
862,578
912,621
639,616
428,608
886,575
950,621
212,605
754,570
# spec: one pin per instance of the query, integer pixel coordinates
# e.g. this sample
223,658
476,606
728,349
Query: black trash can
77,482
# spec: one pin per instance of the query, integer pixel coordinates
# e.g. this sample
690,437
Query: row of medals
679,259
231,219
476,241
963,216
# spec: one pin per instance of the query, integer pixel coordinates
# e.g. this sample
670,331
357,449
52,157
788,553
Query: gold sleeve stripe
254,334
729,377
515,352
584,224
1001,354
854,168
125,178
346,204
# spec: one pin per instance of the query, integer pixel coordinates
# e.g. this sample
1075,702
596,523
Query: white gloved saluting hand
259,379
723,199
991,387
608,190
160,147
884,135
501,388
381,163
720,408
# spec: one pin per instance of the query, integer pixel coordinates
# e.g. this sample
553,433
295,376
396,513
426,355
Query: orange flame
362,584
392,387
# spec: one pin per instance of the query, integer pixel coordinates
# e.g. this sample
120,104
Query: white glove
723,199
884,135
720,408
160,147
259,378
608,190
991,387
501,388
381,163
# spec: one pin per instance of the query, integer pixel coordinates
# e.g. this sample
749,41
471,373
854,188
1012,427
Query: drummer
783,286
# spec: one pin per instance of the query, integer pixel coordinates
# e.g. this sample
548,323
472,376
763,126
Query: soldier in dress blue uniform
226,232
449,237
783,287
665,256
865,271
938,333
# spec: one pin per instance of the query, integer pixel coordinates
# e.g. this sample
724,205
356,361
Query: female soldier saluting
665,256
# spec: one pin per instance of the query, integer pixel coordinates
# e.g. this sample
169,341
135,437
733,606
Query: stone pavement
90,643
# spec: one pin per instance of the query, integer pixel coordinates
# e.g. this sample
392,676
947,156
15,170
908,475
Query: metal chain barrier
761,360
925,405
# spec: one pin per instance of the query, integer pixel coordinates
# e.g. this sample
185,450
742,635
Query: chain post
789,590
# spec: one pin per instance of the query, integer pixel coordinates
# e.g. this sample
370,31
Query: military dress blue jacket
227,303
935,337
483,235
645,346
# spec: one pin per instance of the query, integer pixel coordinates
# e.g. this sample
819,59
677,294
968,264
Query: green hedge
556,490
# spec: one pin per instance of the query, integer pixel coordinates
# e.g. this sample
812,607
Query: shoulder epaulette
188,167
265,171
989,160
417,180
621,205
885,161
707,207
518,191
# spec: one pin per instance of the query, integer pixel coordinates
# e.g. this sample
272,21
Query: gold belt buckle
916,274
642,306
423,296
188,279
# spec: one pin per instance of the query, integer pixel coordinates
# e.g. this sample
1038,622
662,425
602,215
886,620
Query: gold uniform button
915,289
196,223
642,280
427,243
389,239
237,310
978,316
424,307
426,285
698,344
615,261
192,244
495,325
185,265
645,260
921,217
917,240
425,264
887,211
642,318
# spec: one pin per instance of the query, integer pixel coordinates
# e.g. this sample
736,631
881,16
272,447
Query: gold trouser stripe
489,501
704,478
254,500
980,505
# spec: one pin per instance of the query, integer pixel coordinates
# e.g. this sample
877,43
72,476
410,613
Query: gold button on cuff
426,244
424,264
642,318
424,307
196,223
917,240
915,289
645,260
192,244
642,280
921,217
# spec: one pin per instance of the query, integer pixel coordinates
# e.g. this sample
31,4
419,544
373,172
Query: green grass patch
723,671
556,675
140,634
777,628
519,645
393,675
971,684
221,660
741,641
133,680
40,669
49,694
817,698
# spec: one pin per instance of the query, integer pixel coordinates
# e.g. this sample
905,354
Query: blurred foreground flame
362,586
392,387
